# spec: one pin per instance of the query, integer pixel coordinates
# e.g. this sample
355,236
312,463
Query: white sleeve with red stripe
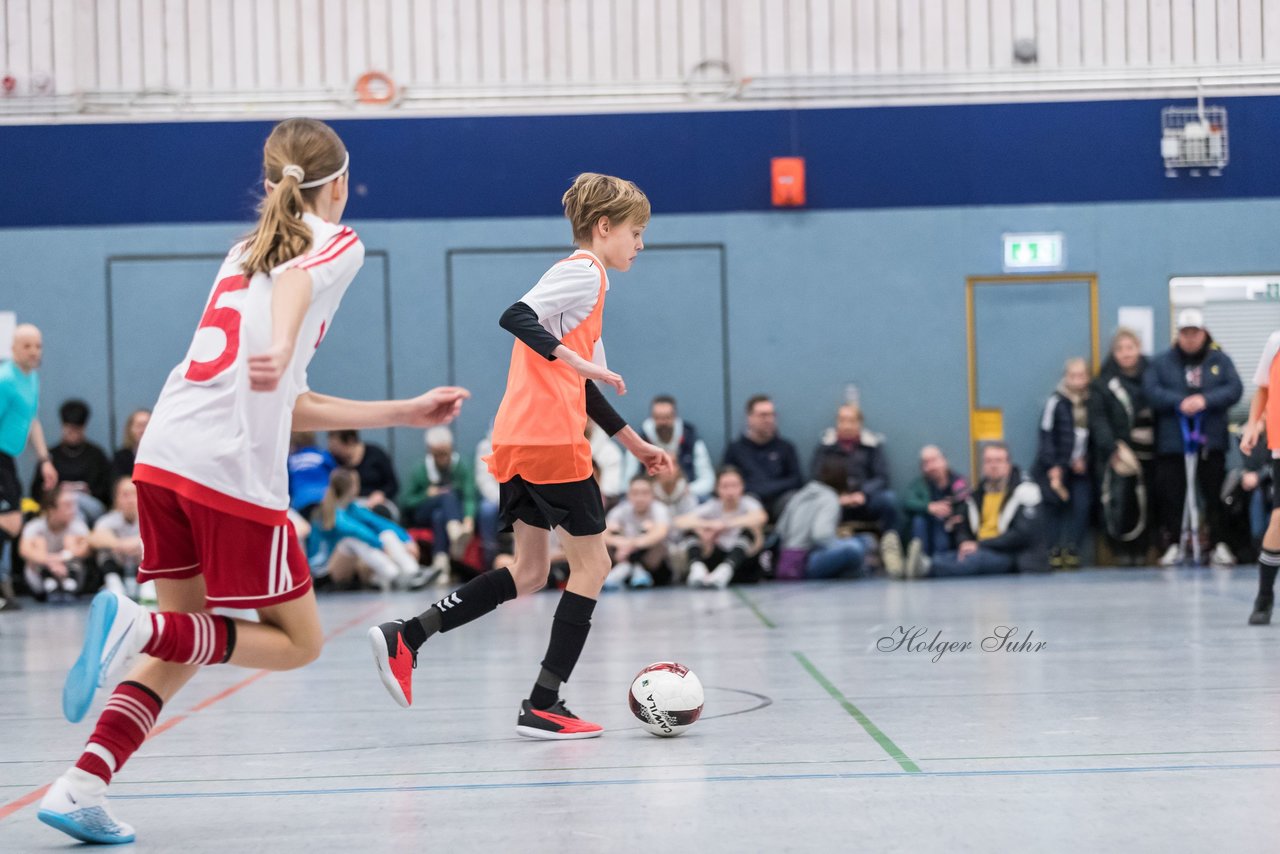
335,261
1262,377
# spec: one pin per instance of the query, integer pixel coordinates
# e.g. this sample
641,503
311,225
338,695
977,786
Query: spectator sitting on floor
769,465
934,506
1122,436
83,467
134,426
309,469
636,535
55,545
487,503
722,532
807,532
349,541
379,486
119,542
1062,465
606,459
1001,530
665,428
442,496
1192,383
866,496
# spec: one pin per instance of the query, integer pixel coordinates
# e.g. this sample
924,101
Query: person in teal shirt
19,402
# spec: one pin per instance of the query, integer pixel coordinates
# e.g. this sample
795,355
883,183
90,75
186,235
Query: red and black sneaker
394,659
556,722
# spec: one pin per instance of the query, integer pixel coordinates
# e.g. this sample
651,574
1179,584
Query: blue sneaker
117,630
640,577
82,814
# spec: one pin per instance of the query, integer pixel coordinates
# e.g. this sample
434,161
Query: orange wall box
788,182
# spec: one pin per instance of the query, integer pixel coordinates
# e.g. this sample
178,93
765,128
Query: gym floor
1141,714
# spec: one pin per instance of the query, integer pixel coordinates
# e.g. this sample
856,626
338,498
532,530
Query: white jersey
212,439
566,295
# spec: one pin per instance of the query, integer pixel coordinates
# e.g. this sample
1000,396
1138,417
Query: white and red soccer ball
666,698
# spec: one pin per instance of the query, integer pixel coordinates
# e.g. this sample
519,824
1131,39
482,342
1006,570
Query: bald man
19,400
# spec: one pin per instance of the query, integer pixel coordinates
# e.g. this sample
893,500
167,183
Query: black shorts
577,507
1275,483
10,486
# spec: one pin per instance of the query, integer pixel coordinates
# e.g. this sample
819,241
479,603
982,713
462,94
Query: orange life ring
375,87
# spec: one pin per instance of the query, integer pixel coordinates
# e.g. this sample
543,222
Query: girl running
212,480
542,458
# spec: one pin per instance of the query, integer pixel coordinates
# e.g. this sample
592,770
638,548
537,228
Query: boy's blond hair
593,195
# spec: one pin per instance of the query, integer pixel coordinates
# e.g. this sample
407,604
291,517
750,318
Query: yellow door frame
970,284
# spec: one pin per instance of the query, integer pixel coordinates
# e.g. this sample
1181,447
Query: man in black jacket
866,496
1001,531
1194,381
769,465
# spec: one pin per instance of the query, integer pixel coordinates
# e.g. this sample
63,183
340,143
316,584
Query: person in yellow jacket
542,459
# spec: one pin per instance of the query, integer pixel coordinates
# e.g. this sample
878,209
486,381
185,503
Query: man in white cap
1191,387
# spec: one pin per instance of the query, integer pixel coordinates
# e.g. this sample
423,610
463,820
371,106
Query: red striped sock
191,638
123,726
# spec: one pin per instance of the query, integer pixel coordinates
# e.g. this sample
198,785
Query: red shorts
245,564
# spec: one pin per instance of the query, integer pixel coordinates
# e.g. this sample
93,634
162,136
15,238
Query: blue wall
816,299
693,162
864,286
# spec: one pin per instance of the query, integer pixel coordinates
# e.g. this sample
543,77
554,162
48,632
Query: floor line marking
865,722
723,778
755,609
31,797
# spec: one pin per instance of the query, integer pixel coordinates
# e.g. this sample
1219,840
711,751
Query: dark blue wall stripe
687,162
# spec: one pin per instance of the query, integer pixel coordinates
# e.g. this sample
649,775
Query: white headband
294,171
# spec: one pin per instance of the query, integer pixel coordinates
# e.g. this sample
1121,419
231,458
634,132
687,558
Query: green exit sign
1039,251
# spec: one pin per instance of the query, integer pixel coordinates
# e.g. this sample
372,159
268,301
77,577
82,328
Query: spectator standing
19,404
1062,465
768,464
1122,437
1191,387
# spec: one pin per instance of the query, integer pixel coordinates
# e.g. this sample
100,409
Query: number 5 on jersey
226,319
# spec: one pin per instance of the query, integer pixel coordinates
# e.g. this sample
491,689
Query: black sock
1268,563
569,631
695,552
474,599
231,639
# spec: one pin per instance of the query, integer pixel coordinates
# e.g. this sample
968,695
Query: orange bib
540,431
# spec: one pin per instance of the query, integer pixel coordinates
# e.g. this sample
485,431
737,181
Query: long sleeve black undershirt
522,322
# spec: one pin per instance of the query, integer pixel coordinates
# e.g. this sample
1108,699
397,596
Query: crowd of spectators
1115,453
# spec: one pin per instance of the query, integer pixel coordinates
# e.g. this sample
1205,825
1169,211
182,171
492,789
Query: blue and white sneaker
73,806
618,576
117,631
640,577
